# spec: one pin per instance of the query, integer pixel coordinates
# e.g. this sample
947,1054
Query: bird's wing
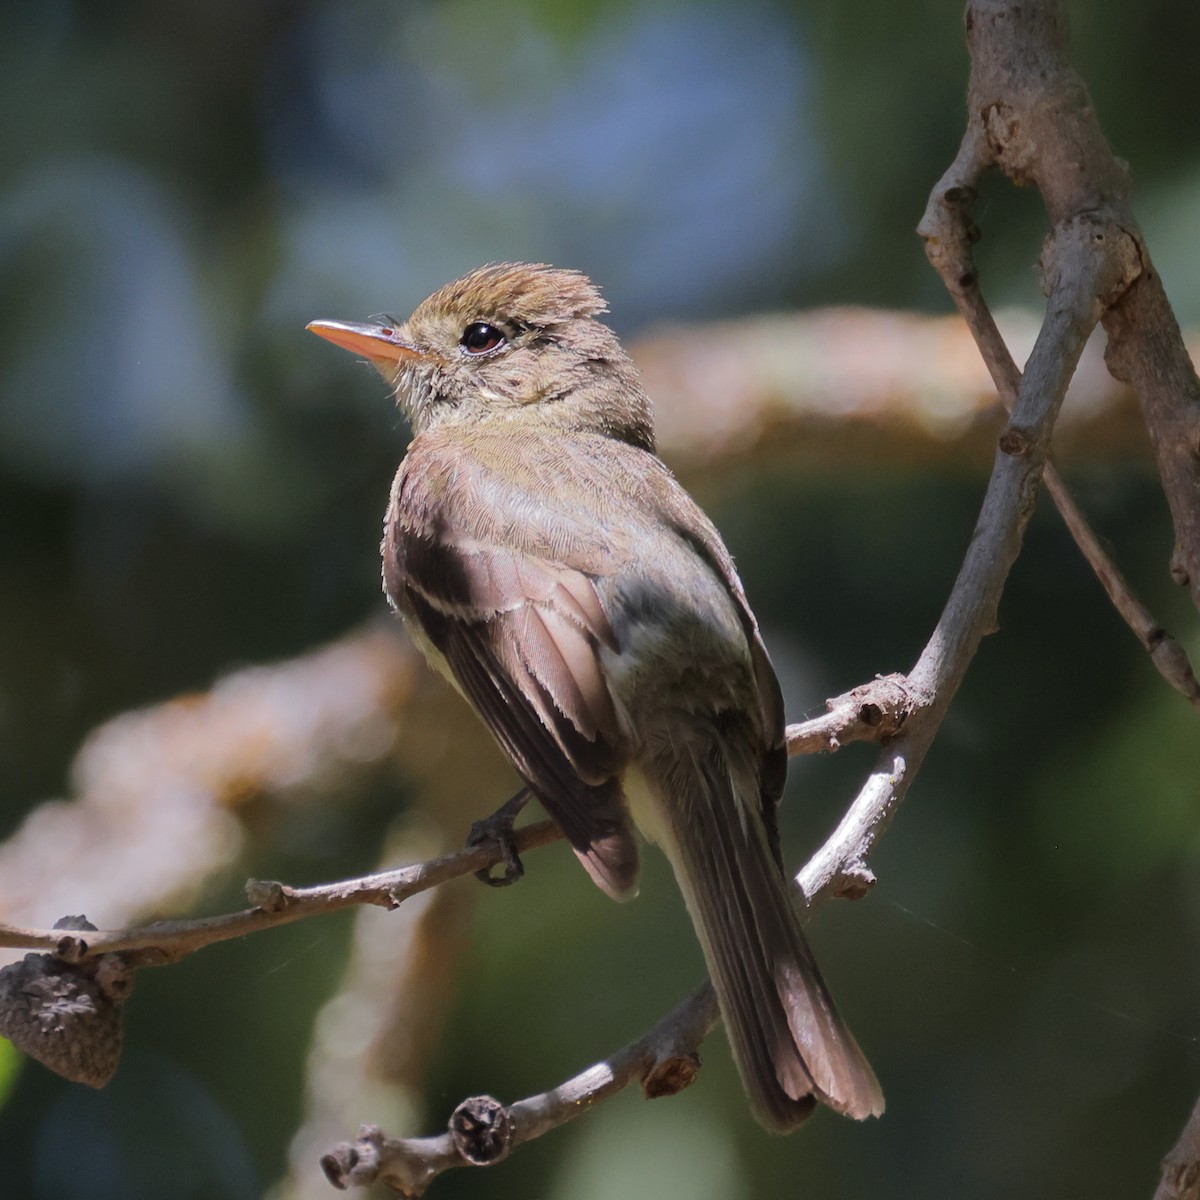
519,629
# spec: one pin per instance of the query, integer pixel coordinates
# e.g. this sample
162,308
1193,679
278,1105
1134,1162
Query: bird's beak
382,344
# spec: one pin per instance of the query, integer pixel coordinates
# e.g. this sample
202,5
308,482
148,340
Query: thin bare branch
331,721
1145,349
663,1061
483,1131
1080,279
1030,115
163,942
855,387
1082,272
1166,653
1094,262
949,234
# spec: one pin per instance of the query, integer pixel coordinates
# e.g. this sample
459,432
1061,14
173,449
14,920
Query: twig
163,942
1030,114
1146,350
1080,278
872,712
664,1060
873,385
1088,264
157,793
483,1131
1166,653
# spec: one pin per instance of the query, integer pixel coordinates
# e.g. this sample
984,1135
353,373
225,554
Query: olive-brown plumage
549,564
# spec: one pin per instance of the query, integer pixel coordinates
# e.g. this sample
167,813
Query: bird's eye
479,337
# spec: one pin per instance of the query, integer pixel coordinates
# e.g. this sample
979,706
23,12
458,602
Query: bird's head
509,340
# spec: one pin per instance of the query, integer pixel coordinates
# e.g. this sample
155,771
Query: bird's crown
531,294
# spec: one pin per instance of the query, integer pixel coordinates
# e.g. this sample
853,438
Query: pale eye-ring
479,337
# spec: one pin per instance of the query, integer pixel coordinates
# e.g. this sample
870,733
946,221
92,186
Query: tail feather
791,1047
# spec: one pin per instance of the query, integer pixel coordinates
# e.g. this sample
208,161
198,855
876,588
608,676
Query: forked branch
1030,115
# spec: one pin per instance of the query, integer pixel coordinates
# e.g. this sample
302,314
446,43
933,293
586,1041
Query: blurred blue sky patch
430,139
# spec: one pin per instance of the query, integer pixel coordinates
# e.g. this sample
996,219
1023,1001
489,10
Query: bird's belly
644,806
432,655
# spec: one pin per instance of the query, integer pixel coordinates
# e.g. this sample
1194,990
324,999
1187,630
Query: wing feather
520,634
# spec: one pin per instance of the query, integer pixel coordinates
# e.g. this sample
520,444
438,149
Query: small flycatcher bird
551,567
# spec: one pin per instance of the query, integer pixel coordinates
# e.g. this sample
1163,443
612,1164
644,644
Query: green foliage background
189,482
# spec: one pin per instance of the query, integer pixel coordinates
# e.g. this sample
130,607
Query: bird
550,566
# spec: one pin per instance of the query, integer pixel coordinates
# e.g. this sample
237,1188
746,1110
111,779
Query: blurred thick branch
854,387
158,792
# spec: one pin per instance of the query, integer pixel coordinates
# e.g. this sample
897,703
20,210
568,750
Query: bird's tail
791,1047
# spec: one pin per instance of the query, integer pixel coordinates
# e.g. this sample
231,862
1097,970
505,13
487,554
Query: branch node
269,895
1016,442
1001,128
73,949
1089,246
959,197
1179,571
854,881
482,1129
671,1075
114,976
354,1164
